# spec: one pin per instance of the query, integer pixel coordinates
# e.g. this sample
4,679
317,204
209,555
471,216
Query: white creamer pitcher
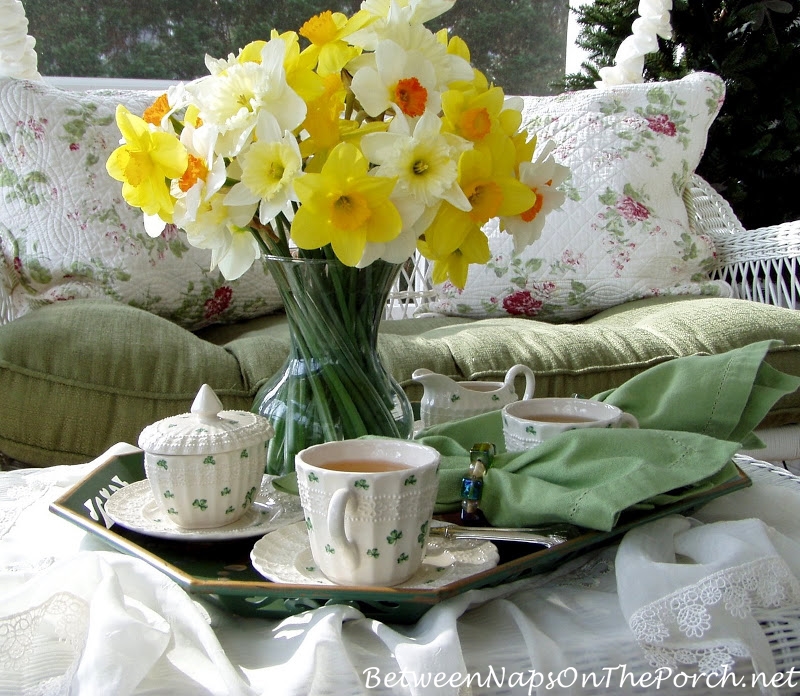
444,399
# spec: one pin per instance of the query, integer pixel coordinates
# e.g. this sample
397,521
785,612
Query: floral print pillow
623,232
66,233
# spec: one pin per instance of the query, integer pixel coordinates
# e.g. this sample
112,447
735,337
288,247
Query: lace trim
63,618
686,614
17,492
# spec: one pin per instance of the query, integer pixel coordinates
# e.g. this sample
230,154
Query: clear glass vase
333,385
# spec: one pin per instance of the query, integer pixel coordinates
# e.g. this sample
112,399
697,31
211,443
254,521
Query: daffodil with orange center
479,112
144,163
326,32
454,238
401,80
344,206
472,114
205,173
543,176
157,110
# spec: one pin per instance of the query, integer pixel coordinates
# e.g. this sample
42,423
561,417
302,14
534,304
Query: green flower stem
301,334
330,323
333,385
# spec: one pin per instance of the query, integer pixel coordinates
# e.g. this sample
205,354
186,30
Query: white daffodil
420,11
232,98
543,176
269,168
223,229
424,161
241,254
413,37
204,176
402,80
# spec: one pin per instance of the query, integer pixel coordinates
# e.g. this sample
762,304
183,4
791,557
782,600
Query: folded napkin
694,414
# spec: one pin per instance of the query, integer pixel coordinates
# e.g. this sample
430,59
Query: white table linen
691,594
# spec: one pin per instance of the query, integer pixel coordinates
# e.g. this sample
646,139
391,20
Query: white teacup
368,506
527,424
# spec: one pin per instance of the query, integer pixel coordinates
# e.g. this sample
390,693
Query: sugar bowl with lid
205,467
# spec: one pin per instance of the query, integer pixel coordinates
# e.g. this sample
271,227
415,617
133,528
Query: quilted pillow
623,232
66,232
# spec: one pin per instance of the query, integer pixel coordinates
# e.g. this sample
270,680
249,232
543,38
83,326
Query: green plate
221,570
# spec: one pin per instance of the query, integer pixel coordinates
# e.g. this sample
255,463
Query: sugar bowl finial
206,405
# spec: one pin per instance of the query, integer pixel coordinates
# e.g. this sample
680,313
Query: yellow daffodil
344,206
144,163
455,265
491,190
326,32
325,112
299,67
471,114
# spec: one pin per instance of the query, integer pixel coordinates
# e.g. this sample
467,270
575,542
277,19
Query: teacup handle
627,420
336,510
530,379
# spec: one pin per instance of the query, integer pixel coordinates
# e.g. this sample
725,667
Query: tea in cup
367,506
527,424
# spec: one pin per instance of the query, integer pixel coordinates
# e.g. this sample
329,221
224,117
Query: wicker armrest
760,264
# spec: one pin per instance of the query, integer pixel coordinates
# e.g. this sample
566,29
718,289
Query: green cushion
76,377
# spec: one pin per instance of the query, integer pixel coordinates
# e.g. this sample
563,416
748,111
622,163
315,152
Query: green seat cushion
78,376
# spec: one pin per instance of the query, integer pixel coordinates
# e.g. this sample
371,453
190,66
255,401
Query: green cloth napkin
694,414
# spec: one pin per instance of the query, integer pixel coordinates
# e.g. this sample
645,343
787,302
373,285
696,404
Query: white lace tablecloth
707,605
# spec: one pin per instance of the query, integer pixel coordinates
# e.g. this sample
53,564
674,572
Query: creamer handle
530,379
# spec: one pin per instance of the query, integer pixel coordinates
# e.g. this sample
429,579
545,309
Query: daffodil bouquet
358,140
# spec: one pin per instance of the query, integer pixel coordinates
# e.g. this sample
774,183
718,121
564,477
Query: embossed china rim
134,508
283,555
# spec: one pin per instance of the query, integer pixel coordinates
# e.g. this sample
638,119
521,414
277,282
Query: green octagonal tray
221,571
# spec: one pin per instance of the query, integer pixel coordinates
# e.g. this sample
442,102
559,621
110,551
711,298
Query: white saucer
134,508
285,556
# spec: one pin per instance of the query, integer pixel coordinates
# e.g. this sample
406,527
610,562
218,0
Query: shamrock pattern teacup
526,424
368,505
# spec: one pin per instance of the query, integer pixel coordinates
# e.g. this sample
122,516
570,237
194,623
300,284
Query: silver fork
548,536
